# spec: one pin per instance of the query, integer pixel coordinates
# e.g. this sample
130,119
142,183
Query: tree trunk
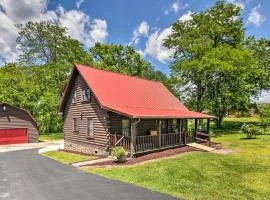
218,122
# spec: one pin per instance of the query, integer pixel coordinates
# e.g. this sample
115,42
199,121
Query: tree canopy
212,67
47,42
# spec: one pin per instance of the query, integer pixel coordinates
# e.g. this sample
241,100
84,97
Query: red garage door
13,136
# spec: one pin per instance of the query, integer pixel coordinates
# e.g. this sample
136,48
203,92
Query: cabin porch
146,135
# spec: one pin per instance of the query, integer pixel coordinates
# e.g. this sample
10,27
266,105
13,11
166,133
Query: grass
67,158
242,175
51,137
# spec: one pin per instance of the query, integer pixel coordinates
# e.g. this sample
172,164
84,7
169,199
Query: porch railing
153,142
119,140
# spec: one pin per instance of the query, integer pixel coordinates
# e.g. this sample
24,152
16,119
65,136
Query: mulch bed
150,156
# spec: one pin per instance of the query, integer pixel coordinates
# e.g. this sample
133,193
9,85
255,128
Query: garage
13,136
16,125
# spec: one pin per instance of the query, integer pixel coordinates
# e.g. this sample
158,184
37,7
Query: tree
264,116
212,67
261,51
47,42
124,59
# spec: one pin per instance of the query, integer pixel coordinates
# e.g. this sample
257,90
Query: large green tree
36,82
211,65
47,42
261,51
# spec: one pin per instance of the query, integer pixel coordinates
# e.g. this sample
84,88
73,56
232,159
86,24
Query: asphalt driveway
25,175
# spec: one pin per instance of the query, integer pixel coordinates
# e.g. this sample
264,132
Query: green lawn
67,158
51,136
242,175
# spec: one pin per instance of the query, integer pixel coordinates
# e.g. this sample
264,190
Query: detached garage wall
14,117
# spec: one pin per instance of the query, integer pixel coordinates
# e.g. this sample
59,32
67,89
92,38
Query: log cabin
103,109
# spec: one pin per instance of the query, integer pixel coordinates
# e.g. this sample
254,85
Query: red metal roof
134,97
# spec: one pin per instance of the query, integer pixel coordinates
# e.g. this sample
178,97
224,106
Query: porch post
180,131
208,126
159,133
133,136
196,128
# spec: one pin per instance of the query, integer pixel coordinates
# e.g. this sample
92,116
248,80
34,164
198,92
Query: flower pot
122,159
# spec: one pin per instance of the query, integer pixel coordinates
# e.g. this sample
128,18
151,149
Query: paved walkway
90,162
16,147
26,175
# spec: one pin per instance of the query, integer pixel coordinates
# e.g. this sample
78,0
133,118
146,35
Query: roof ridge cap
118,73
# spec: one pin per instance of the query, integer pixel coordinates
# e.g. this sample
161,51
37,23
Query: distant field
51,136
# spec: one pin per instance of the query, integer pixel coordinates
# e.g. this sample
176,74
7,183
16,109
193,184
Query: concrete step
201,147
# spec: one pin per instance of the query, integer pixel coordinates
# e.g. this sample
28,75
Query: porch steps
200,146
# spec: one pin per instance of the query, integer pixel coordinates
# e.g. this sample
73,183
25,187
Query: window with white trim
74,97
90,128
86,94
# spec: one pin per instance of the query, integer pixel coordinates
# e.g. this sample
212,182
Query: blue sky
141,23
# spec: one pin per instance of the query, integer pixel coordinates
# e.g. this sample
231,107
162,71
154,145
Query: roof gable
2,105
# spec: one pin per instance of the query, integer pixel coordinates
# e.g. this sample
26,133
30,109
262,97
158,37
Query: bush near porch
245,174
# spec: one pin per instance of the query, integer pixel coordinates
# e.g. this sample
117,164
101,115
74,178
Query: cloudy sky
141,23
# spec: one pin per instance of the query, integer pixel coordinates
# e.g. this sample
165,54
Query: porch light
4,108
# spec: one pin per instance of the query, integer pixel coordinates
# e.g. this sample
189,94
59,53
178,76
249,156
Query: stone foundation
85,148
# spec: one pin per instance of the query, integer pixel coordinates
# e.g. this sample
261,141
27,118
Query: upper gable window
74,97
86,94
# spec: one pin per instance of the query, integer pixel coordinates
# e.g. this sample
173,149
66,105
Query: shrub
250,130
118,152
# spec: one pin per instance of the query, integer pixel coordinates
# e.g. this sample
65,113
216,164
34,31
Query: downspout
133,137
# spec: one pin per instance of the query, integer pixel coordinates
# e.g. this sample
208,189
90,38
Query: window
74,97
164,128
90,128
126,127
75,125
86,95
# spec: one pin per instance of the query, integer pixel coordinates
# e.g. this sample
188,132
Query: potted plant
120,154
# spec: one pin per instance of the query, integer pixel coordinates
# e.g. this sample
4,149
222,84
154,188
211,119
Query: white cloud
187,16
175,7
239,3
78,3
79,25
154,46
98,31
141,30
255,17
